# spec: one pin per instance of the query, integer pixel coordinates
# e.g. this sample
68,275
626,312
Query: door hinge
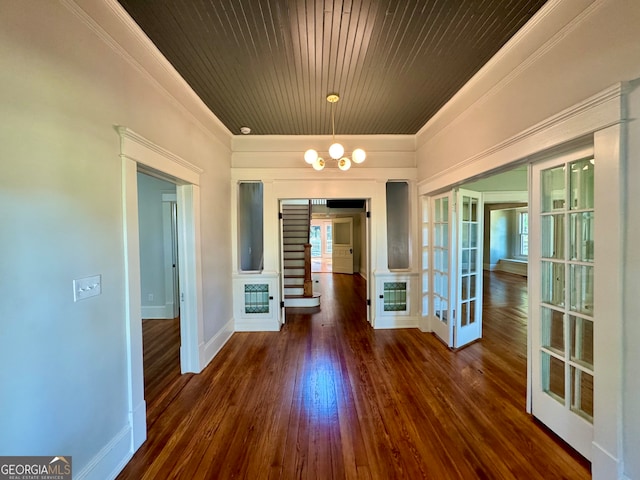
281,304
368,302
368,214
279,215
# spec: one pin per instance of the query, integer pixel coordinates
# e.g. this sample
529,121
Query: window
250,235
523,234
398,225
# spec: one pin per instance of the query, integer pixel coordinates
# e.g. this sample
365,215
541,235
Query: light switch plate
87,287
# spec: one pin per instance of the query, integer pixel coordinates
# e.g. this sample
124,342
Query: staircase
298,287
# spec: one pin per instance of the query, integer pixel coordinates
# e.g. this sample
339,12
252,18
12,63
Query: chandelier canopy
336,150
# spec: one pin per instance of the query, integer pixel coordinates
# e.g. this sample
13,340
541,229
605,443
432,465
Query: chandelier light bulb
310,156
336,151
318,164
344,164
358,155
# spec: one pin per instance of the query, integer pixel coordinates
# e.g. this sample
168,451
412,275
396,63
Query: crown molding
191,105
438,124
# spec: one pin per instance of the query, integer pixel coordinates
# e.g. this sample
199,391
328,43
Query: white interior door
561,252
342,245
441,234
469,228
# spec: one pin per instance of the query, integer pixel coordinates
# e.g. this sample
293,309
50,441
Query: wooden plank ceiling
269,64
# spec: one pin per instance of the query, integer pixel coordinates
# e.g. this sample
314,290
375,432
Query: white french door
469,223
441,308
342,248
456,226
561,295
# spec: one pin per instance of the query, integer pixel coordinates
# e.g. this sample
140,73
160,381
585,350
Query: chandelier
336,150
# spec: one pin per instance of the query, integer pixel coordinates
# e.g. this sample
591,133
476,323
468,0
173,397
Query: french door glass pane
473,236
553,377
465,262
582,393
581,288
581,184
553,283
552,330
472,311
465,288
552,236
464,314
581,239
465,235
553,189
315,239
581,332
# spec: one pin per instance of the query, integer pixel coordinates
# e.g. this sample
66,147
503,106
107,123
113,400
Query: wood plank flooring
328,397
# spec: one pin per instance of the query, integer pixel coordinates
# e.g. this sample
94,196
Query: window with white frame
522,245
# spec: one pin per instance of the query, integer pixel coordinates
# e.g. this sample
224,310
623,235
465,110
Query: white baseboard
138,419
109,461
518,267
490,266
384,322
210,349
259,325
604,466
157,312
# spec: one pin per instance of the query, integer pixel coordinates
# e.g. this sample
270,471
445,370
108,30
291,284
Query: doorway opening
138,154
160,285
338,236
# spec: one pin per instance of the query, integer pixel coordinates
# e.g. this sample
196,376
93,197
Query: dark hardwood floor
328,397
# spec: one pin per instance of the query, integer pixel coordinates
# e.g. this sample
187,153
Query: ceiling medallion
336,150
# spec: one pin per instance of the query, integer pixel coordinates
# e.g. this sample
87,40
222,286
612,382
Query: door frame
599,119
139,154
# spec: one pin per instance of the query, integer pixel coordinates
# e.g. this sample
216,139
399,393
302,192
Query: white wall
64,84
588,46
152,246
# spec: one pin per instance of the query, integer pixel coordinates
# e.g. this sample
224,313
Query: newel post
308,284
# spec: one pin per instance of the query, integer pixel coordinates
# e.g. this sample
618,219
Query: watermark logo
35,468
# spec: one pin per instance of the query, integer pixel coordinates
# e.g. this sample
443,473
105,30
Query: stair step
300,301
293,272
294,255
294,241
294,263
296,222
293,291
